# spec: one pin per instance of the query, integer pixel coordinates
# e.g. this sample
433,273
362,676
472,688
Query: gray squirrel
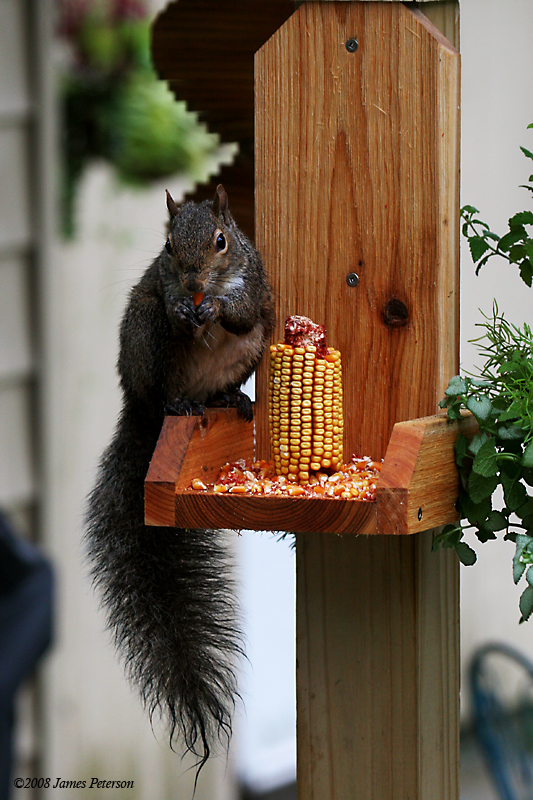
194,330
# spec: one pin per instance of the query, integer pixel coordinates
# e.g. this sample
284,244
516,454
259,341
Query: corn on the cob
305,409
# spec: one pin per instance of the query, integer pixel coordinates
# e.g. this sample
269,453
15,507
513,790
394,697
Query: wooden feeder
356,173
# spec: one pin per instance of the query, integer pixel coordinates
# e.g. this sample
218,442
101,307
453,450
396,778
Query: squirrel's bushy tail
169,599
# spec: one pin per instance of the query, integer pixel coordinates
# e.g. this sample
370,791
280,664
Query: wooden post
357,171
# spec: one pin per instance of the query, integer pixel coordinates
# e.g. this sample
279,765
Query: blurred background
82,213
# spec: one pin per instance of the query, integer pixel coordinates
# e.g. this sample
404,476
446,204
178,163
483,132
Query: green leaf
484,533
510,433
518,565
517,253
525,151
527,519
480,487
514,492
529,576
526,602
467,556
480,407
456,385
454,411
509,239
486,460
475,513
527,458
527,474
461,447
496,521
512,412
526,272
482,262
477,442
508,366
521,218
469,210
478,246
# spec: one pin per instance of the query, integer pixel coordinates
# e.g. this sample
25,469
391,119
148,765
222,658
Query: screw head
352,279
352,45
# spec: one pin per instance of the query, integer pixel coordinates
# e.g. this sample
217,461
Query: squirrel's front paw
186,312
208,310
182,407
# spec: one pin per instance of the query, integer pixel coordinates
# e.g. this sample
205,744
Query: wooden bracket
417,490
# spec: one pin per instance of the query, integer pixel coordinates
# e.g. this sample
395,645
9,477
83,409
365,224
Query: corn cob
305,409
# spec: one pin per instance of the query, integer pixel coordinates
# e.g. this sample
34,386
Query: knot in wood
395,313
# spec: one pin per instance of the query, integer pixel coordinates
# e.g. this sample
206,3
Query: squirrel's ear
220,203
171,205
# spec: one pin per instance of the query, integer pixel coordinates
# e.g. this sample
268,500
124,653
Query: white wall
497,106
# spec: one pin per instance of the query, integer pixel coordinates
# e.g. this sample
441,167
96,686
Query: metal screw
419,514
352,279
352,45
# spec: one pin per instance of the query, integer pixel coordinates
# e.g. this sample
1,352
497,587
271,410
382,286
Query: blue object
504,718
26,608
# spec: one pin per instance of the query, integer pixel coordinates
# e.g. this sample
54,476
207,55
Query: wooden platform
417,489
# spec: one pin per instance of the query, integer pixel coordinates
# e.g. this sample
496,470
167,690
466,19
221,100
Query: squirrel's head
202,247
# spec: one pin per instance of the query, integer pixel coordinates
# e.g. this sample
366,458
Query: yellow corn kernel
305,411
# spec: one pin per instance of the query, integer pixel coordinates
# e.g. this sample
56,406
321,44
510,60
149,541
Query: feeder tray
417,488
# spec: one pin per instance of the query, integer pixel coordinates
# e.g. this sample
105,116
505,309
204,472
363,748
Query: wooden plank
419,481
438,670
377,669
351,154
164,470
194,447
444,14
292,514
356,171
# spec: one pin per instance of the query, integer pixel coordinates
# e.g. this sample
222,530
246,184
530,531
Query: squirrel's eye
221,243
168,247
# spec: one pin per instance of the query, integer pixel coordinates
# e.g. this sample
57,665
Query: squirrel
168,592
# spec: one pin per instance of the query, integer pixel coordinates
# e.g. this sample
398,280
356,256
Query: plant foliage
500,456
114,107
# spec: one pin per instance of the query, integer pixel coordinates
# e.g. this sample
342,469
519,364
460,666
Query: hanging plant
114,107
500,456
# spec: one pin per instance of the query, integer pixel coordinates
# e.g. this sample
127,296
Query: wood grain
419,481
164,470
238,512
418,474
356,168
377,670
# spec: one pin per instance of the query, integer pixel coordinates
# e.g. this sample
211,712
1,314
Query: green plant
114,107
499,458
